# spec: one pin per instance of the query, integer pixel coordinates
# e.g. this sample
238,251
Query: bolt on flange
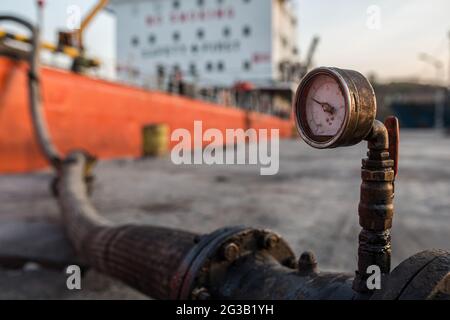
231,252
307,263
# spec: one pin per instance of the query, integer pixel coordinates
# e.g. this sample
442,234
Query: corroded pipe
173,264
376,208
260,277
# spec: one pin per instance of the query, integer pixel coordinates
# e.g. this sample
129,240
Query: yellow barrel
295,133
155,140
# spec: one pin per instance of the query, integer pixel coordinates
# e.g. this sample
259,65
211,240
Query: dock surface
312,202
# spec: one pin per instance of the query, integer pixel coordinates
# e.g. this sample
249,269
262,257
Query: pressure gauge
334,108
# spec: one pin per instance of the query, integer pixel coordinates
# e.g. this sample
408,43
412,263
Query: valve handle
393,128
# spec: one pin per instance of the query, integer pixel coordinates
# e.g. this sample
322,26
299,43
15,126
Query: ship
107,118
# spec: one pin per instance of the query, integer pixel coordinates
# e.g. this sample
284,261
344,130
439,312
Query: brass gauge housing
334,108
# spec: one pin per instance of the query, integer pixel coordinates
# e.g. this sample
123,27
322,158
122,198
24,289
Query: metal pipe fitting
376,208
207,267
378,138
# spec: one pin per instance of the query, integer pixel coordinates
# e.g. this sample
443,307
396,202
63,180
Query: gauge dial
334,107
325,107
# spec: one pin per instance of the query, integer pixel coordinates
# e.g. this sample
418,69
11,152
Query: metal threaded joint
231,252
270,240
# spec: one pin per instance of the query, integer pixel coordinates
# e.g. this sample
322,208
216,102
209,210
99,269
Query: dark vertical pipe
34,94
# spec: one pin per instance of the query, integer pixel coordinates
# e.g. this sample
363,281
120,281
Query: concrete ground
312,202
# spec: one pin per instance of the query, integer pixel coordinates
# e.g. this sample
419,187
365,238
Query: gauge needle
325,106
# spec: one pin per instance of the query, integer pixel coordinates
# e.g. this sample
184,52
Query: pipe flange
206,264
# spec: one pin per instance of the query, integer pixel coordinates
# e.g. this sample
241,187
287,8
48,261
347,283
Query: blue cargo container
414,115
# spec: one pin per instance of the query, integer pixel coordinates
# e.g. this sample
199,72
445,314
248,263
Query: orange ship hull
101,117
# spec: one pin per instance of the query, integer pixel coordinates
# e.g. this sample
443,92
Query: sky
390,48
383,37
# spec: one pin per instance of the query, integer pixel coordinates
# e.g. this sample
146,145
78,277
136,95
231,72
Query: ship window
246,65
247,31
160,70
194,48
176,36
209,66
220,66
226,32
152,39
200,3
135,41
176,4
200,33
193,69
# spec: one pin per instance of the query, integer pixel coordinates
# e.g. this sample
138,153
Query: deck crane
70,43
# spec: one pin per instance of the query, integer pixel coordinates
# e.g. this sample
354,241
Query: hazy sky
381,36
406,28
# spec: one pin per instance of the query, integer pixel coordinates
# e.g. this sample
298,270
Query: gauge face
334,107
324,106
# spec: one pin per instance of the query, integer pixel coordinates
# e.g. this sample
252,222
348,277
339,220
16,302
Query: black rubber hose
144,257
